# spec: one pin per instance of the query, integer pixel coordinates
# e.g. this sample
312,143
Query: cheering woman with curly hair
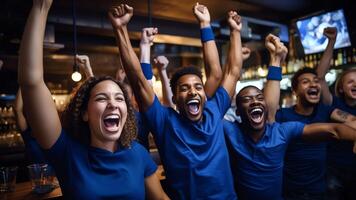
93,150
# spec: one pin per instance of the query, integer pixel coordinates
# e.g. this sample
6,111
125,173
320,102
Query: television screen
311,31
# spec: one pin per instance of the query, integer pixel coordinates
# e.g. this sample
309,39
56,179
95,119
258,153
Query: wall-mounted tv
311,31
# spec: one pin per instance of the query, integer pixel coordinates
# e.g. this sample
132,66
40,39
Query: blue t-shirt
86,172
340,152
194,154
305,162
33,150
258,167
142,129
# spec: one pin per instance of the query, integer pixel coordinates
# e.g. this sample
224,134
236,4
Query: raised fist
201,12
161,62
120,15
246,52
234,20
148,35
275,47
330,33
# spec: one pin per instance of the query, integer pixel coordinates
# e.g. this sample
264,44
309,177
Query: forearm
234,63
344,132
166,89
145,53
143,91
324,65
272,95
341,116
31,48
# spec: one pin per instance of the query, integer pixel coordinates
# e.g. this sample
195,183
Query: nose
112,104
192,91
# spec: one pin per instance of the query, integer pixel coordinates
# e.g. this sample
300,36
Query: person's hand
330,33
201,12
276,48
161,62
246,52
120,15
234,20
148,35
42,4
84,64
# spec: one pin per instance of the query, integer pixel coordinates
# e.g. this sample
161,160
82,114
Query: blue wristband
274,73
206,34
147,70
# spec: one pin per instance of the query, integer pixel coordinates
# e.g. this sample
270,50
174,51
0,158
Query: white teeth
112,117
256,110
193,101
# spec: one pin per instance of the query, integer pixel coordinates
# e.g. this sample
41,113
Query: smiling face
348,87
106,114
190,97
251,107
308,89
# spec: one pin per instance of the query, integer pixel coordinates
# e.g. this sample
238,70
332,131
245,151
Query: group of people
94,145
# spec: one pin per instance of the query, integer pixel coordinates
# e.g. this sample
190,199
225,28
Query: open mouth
111,122
313,92
353,90
256,115
193,106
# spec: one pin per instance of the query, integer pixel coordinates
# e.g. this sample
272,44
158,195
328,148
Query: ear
85,116
237,112
174,99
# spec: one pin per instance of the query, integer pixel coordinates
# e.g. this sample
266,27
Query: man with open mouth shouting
257,148
190,142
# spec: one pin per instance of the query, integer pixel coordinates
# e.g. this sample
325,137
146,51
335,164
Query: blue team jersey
194,154
305,162
142,130
33,150
86,172
340,152
258,167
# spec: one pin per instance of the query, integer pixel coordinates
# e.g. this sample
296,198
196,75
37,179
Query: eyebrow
105,94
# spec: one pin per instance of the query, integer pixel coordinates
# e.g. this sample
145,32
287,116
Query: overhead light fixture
76,76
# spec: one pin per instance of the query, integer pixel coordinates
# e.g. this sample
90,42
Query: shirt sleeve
222,100
292,130
279,115
150,166
57,153
156,116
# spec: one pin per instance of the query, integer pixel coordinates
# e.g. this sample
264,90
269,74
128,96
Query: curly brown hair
73,122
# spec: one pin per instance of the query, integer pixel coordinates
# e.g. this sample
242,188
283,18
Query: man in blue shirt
305,162
257,148
190,142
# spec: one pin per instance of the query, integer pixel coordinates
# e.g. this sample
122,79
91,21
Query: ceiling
172,17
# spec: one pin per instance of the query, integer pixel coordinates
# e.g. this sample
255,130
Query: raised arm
146,42
161,62
20,117
210,52
327,131
45,123
119,17
234,59
324,65
277,52
84,65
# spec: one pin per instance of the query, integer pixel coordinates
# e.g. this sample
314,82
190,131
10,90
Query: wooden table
24,191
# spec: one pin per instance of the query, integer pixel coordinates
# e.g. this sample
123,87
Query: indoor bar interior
178,99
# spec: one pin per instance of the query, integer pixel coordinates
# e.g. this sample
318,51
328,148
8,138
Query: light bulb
76,76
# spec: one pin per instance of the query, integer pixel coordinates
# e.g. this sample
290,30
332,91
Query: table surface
24,190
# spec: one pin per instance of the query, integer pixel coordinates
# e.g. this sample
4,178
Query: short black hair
244,88
181,72
304,70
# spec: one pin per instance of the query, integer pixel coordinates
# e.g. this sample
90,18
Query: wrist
204,24
207,34
274,73
275,61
